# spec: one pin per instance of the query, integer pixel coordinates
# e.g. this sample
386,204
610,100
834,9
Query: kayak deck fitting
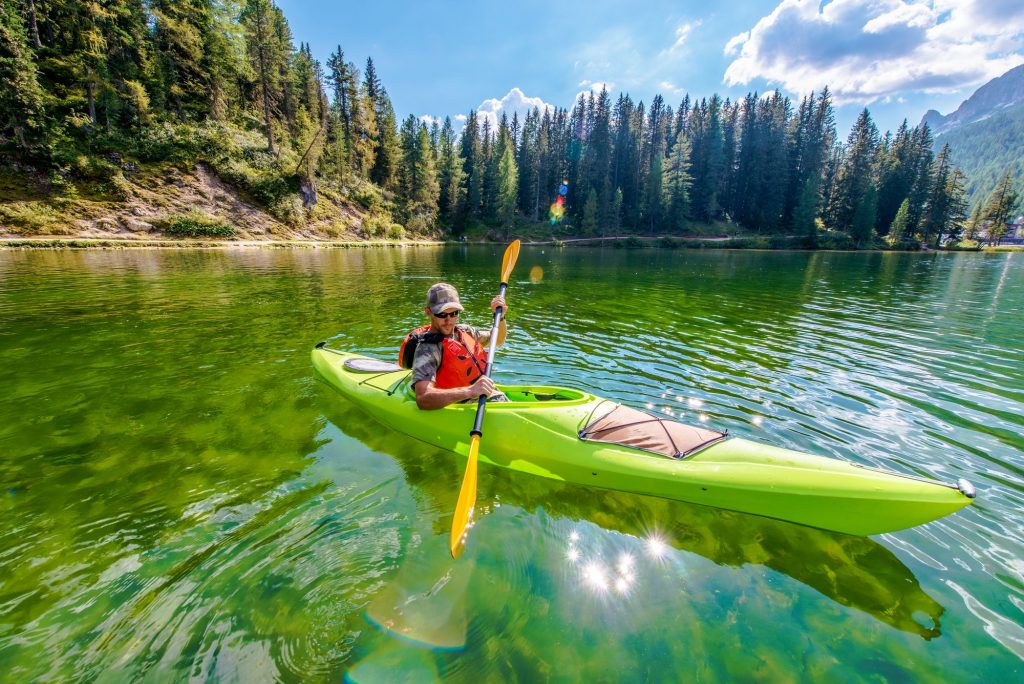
574,436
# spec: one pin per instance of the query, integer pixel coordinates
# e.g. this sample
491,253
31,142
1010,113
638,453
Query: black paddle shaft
478,424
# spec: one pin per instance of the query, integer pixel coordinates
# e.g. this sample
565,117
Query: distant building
1014,234
1015,229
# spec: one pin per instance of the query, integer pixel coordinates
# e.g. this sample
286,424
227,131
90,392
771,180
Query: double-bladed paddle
467,495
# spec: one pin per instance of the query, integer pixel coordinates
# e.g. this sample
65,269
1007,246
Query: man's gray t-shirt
427,358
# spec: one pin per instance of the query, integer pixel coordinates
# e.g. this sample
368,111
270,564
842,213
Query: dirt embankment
143,200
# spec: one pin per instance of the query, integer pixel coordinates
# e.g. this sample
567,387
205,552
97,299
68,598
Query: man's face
444,322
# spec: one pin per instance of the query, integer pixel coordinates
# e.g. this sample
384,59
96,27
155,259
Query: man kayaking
448,360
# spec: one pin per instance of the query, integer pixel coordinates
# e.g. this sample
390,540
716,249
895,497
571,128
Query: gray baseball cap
443,297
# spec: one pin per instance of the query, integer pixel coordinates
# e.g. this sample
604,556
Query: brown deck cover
640,430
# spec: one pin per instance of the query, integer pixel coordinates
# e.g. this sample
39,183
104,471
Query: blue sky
897,57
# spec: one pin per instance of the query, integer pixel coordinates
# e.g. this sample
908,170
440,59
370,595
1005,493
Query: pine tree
21,98
490,158
427,190
598,152
528,161
616,214
920,166
855,179
450,174
264,58
589,220
704,126
805,213
469,146
417,183
508,186
184,35
340,79
999,209
901,223
364,129
652,210
677,182
309,142
946,204
386,153
974,225
812,142
863,225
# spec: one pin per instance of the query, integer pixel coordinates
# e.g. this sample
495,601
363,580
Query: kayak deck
538,432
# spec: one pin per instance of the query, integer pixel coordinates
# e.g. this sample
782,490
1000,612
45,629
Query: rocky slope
997,95
143,200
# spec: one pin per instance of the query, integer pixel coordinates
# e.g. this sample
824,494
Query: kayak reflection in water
448,360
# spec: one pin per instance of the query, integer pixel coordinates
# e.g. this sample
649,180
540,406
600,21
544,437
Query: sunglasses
450,314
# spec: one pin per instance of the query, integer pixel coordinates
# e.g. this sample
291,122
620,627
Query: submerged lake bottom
183,498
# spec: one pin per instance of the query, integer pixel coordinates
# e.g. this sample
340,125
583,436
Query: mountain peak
998,94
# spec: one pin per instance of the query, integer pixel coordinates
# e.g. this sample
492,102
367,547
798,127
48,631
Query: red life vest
463,359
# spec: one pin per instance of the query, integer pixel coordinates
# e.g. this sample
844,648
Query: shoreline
60,243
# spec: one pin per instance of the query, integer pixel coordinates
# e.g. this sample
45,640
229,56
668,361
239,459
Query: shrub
196,224
178,142
669,243
376,225
783,242
368,195
744,243
396,231
835,240
904,244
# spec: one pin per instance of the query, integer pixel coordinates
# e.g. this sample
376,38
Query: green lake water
182,499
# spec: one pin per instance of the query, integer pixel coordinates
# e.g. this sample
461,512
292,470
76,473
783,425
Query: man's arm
429,397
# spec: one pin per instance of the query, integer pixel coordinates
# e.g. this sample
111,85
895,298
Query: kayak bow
540,433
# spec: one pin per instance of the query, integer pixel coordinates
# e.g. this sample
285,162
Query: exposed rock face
136,225
995,96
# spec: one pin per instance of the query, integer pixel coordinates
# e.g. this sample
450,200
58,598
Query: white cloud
736,42
430,120
865,50
670,87
461,118
515,102
594,87
683,32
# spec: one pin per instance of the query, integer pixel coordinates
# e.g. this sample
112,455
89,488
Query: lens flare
557,211
595,576
656,547
536,274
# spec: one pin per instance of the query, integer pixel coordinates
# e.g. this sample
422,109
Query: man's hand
499,301
484,386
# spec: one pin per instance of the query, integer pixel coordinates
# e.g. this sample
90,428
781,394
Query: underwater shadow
855,572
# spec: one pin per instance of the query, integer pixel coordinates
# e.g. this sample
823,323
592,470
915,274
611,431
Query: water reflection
854,572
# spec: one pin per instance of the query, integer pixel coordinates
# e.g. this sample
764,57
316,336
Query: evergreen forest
93,90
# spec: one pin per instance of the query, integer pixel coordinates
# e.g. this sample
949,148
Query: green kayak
574,436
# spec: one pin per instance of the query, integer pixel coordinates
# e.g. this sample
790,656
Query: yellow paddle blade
467,497
509,260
